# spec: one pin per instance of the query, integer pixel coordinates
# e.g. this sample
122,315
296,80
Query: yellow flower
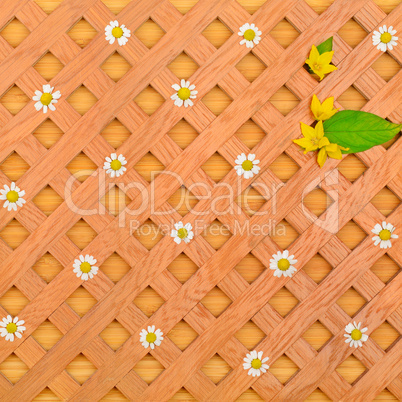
320,63
313,137
331,150
324,110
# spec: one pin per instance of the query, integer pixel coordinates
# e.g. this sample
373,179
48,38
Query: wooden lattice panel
214,298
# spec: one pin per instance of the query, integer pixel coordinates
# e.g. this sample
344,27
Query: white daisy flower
46,98
384,38
255,364
84,267
283,263
384,234
12,196
247,165
10,327
151,337
355,336
114,165
182,232
115,31
184,93
251,35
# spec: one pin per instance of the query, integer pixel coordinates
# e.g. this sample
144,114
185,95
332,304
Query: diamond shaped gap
251,6
386,67
216,301
115,267
148,301
351,234
81,368
352,167
115,335
317,201
216,100
217,33
386,201
284,100
14,100
148,368
183,66
47,200
351,302
183,394
115,6
318,395
115,200
13,368
385,268
81,234
217,167
250,268
13,301
183,134
250,335
148,234
250,201
47,335
14,234
317,335
47,267
284,369
48,6
284,234
116,66
183,201
48,66
81,167
385,335
319,6
81,301
216,234
184,6
115,133
82,33
14,167
317,268
283,302
14,32
149,33
216,368
149,167
182,267
352,33
82,99
284,167
114,395
251,66
250,134
47,395
182,335
284,33
149,100
351,369
48,133
352,99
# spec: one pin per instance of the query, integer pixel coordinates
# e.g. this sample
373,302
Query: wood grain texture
214,299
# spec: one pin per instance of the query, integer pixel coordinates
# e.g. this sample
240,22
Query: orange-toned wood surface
215,298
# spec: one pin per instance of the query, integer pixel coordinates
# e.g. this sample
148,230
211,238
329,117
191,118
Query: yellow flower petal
328,104
325,58
323,142
335,155
306,144
314,54
307,131
328,69
322,157
316,107
319,130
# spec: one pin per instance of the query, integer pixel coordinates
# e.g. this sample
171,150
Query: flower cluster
320,64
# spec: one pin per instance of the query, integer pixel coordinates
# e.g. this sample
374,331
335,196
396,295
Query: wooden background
367,80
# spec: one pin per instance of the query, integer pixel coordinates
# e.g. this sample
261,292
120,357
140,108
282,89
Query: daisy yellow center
385,234
151,337
116,164
356,335
183,93
386,37
247,165
249,34
117,32
46,98
85,267
283,264
256,364
182,233
11,328
12,196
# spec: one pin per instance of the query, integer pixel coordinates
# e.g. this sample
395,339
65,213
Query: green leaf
325,46
359,131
